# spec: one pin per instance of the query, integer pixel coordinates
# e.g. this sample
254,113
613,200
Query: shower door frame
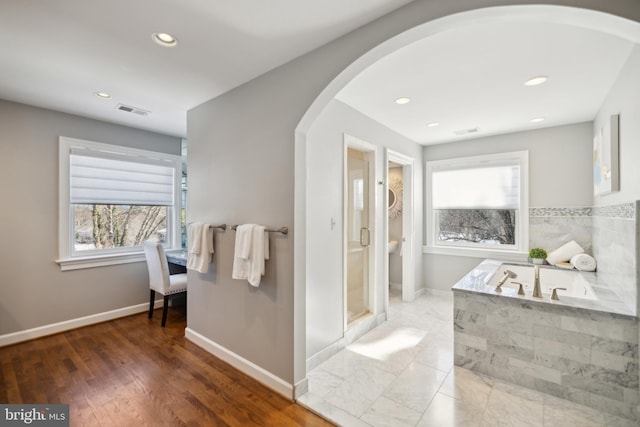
351,142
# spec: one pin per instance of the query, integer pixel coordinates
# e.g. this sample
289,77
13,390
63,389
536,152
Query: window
113,198
478,205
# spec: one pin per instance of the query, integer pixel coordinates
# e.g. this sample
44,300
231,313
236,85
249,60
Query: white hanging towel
200,238
259,253
242,252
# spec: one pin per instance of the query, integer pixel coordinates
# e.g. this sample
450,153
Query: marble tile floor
402,374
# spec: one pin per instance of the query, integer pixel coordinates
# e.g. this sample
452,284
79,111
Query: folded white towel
564,253
200,246
242,252
583,262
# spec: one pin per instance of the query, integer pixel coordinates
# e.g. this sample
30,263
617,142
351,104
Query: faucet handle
554,294
520,289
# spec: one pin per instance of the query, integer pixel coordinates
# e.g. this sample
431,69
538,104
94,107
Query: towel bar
221,226
283,230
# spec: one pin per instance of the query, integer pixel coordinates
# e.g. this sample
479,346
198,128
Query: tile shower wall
587,357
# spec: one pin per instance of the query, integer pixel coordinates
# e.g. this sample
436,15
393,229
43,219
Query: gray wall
560,175
240,171
34,292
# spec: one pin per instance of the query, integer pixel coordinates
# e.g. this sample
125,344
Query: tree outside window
112,226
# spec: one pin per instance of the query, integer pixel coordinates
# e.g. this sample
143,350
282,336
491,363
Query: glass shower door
358,235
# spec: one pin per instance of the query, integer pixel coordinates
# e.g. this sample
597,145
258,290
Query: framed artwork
606,178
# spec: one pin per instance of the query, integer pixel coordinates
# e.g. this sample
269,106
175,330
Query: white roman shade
477,187
100,177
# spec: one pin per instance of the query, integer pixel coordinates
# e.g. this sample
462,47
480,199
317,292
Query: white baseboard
261,375
301,388
54,328
325,354
360,328
438,292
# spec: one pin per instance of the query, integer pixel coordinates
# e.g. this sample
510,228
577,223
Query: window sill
477,253
79,263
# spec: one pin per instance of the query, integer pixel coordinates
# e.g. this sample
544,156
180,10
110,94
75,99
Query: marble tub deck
402,374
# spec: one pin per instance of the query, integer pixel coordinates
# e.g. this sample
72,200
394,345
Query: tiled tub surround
550,228
588,356
615,235
609,233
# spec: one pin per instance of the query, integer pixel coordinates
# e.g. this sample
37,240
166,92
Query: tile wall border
623,211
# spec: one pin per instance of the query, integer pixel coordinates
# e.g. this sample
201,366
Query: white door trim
408,229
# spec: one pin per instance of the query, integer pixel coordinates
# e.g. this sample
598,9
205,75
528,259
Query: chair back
157,265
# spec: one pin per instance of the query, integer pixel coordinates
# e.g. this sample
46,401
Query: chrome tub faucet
508,274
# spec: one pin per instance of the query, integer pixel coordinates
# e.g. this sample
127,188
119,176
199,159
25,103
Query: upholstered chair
159,278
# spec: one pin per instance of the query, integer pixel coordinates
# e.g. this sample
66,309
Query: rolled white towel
584,262
564,253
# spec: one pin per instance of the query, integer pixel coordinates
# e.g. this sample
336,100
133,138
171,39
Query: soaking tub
575,284
583,289
582,347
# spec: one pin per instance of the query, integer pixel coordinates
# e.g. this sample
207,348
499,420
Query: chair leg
165,309
152,301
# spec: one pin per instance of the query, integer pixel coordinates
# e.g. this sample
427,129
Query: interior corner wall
560,175
325,145
621,252
35,292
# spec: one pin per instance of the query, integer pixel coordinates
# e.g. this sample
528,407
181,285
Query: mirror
395,196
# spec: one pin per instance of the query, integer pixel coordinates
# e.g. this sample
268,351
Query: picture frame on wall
606,177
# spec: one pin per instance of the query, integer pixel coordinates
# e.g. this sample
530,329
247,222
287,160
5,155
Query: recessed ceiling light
433,124
465,131
537,80
102,95
403,100
164,39
537,120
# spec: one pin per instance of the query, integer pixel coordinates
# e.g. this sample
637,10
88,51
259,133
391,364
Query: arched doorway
557,14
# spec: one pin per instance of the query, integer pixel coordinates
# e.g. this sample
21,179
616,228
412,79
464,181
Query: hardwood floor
132,372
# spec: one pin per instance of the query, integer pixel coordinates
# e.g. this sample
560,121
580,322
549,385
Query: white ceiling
473,77
57,54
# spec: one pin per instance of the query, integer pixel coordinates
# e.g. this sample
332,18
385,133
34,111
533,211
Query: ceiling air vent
133,110
465,131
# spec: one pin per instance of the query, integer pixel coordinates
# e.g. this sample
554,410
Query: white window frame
517,253
70,260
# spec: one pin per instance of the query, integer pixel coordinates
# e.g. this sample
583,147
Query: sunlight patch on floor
384,347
